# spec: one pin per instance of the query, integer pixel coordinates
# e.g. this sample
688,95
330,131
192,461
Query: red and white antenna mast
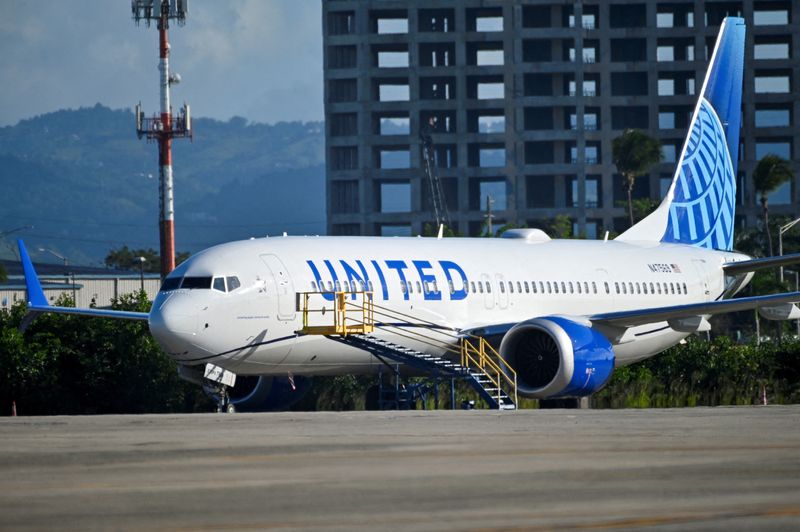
164,127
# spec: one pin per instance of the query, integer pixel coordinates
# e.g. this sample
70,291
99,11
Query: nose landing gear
217,383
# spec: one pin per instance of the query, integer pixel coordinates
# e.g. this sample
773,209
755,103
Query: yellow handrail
342,323
483,358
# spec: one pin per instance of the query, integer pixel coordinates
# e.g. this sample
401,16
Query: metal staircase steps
496,398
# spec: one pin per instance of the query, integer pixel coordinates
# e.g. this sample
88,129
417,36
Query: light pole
796,289
58,256
66,273
782,230
141,261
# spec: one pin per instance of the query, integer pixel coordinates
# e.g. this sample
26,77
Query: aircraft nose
173,323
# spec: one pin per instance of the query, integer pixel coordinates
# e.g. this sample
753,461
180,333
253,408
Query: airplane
563,313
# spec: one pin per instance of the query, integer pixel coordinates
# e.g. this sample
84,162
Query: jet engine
557,357
253,393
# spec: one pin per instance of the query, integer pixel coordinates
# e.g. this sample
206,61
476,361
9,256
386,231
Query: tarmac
674,469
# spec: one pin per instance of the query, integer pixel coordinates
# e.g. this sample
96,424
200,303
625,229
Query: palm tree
771,172
634,153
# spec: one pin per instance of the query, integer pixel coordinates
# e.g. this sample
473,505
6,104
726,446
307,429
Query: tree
127,259
771,172
634,153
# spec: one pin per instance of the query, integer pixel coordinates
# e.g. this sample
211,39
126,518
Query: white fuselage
252,329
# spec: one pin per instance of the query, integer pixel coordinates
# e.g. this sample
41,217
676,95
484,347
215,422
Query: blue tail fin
36,297
699,206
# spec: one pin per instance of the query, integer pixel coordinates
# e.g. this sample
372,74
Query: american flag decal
675,268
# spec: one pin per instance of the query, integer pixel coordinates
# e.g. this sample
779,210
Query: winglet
36,297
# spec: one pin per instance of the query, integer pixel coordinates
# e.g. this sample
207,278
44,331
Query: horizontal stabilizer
745,266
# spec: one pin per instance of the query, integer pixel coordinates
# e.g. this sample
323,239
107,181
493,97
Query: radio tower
164,127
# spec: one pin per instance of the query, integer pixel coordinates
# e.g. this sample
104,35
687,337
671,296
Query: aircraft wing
779,304
631,318
37,302
735,268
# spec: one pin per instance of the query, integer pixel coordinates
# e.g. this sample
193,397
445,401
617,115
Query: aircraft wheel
231,409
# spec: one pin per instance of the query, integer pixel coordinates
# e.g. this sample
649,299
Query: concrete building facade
528,96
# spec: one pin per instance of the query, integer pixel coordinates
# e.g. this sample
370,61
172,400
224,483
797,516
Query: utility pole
164,127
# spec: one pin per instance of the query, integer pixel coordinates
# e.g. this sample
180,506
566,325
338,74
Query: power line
141,225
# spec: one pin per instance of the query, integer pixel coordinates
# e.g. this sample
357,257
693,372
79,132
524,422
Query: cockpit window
219,284
233,283
171,283
196,282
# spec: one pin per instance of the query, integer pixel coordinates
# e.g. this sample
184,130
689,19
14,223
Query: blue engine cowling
267,394
557,357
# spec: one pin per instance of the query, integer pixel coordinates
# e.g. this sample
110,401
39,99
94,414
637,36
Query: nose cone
173,323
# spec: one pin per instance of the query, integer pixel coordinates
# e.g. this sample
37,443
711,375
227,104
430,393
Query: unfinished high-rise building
527,98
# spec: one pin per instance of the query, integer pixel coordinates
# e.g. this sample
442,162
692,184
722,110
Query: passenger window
450,285
511,287
685,291
658,288
473,287
644,288
607,290
369,284
570,287
480,287
630,287
527,287
219,284
541,287
586,287
652,289
638,289
624,291
578,285
616,287
488,287
502,287
671,288
419,289
403,288
313,286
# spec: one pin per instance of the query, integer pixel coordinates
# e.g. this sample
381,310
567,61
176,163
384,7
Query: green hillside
87,184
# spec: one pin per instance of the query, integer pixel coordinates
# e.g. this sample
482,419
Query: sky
260,59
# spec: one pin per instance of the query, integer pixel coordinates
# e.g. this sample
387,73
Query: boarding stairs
453,355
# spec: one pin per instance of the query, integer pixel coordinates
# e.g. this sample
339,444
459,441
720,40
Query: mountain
86,184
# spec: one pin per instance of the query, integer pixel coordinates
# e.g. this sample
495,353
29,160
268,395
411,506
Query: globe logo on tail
702,209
